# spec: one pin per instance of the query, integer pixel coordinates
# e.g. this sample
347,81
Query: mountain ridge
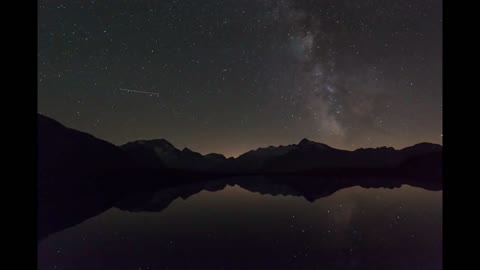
306,152
160,154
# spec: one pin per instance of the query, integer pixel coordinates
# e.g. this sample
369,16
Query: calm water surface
236,228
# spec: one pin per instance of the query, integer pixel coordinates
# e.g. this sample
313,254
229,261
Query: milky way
236,75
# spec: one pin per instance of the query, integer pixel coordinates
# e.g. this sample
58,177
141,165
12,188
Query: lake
257,224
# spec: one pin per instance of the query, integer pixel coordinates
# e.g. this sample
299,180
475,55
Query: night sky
235,75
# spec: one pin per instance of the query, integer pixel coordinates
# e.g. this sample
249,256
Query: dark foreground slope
67,152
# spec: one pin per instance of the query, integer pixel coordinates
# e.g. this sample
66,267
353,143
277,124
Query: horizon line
232,156
279,145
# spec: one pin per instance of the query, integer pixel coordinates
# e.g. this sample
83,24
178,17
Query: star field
229,76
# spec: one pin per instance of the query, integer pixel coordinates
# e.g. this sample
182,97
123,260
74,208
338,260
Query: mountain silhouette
161,153
424,166
306,156
65,151
309,156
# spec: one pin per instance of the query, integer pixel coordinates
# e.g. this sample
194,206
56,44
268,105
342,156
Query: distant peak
424,145
428,144
156,143
385,148
305,141
161,141
187,150
382,148
215,155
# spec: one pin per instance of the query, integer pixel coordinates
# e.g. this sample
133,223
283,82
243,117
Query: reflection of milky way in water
355,228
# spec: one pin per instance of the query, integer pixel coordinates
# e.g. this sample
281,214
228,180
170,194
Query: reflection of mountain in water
310,188
81,202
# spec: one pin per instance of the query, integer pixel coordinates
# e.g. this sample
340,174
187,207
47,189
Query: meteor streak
141,92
